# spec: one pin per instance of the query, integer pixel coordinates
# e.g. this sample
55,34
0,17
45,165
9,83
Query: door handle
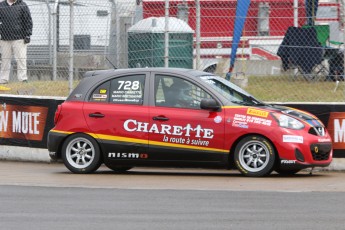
160,118
96,115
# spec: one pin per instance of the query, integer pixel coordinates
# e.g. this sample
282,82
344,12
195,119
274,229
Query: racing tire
254,156
81,154
120,169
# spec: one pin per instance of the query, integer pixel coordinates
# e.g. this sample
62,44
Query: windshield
230,91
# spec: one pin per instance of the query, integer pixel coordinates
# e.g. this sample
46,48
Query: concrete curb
24,154
15,153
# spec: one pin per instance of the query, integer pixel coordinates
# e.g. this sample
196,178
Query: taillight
57,113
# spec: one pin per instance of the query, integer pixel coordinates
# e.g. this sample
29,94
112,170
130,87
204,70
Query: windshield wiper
243,102
250,103
257,102
260,104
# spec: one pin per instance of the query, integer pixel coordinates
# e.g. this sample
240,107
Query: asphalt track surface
48,196
56,175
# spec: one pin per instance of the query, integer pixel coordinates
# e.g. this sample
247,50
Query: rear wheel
254,156
81,154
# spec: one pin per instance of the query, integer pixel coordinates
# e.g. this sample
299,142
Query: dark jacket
300,47
15,21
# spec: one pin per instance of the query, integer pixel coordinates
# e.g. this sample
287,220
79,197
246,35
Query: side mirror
209,104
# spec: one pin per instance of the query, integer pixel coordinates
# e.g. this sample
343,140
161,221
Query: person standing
15,31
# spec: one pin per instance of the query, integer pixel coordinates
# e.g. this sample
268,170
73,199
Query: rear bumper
54,144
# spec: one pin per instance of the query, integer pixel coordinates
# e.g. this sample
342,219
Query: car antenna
110,62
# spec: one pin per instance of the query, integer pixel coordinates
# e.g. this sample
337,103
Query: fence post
71,33
55,38
197,35
343,5
295,11
166,35
49,32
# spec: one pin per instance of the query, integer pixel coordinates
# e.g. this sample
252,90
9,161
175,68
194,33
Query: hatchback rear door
113,109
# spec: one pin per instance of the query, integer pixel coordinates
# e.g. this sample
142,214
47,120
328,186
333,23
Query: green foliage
269,89
287,89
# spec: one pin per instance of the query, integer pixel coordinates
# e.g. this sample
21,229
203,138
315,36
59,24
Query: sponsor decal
324,140
128,155
268,145
336,128
289,162
188,141
127,91
102,91
257,112
218,119
99,96
240,124
180,134
239,166
22,122
245,119
131,125
292,139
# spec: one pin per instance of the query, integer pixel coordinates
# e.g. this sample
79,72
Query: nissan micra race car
168,117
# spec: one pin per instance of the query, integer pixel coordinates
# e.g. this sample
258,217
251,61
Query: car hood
299,114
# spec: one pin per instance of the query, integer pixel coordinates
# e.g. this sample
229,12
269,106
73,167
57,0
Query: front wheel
254,156
81,154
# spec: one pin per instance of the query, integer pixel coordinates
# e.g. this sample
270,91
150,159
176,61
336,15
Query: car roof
92,78
140,70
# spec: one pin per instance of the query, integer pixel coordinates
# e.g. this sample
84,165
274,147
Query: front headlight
287,121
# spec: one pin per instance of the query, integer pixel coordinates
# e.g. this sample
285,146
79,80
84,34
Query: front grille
320,152
317,131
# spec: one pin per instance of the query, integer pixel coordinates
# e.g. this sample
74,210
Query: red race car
170,117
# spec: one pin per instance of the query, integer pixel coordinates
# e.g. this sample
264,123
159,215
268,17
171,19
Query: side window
177,92
127,90
101,93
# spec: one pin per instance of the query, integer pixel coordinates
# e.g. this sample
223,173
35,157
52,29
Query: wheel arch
233,147
59,152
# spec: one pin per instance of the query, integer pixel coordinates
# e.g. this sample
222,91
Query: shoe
25,81
2,81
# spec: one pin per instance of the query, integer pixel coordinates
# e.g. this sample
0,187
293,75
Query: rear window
121,90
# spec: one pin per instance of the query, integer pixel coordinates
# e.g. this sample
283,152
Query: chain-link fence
289,50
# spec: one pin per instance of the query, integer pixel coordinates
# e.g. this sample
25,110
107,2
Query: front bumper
308,150
306,156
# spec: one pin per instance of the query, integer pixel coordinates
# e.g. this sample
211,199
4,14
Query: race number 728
128,85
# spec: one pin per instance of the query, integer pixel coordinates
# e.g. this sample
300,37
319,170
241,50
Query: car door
180,132
113,108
